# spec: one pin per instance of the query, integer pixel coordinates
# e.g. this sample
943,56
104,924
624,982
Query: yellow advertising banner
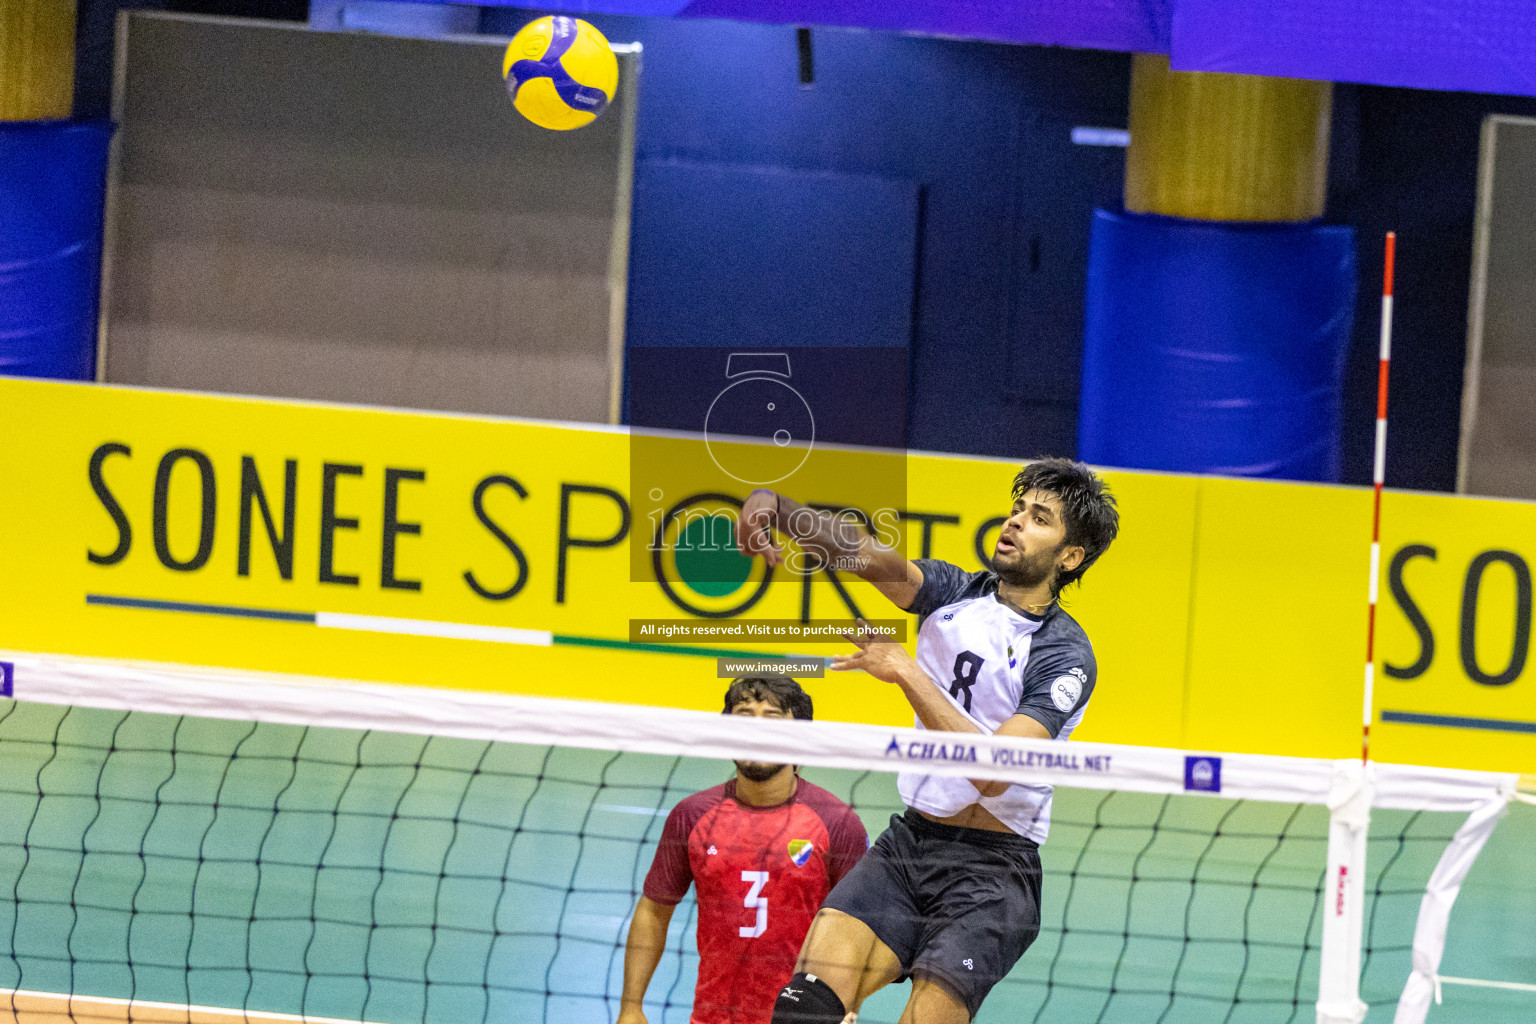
463,552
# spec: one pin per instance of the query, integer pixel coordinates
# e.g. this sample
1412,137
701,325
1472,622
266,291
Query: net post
1423,985
1349,821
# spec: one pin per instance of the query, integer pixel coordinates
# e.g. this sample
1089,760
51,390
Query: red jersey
761,873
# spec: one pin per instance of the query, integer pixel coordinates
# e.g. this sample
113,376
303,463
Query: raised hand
884,659
754,529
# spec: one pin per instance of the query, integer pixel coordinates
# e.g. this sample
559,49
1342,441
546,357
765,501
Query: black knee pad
808,1000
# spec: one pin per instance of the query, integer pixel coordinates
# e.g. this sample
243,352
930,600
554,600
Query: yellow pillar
1213,146
37,59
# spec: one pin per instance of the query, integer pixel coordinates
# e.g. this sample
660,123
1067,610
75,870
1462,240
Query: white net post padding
1439,897
1349,823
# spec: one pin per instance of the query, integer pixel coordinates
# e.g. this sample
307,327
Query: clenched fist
754,530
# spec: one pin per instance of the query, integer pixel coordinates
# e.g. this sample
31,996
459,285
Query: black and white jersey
992,663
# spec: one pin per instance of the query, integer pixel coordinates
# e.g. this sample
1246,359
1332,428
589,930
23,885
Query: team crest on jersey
800,851
1067,689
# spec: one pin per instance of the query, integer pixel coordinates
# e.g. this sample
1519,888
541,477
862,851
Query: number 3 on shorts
755,901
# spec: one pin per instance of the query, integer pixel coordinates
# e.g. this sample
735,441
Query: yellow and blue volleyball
560,72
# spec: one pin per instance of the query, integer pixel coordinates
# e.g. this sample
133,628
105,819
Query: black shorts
959,904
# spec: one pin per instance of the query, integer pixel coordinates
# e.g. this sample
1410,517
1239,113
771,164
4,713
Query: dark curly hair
780,691
1088,510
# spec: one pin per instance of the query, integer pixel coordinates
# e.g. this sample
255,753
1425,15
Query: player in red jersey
764,849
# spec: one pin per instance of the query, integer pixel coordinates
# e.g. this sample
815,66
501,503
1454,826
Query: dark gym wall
1405,160
982,128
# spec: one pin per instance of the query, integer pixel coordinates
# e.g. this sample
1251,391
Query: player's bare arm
642,952
891,663
837,541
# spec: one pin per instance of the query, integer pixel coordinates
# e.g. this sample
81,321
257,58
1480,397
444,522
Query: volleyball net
179,845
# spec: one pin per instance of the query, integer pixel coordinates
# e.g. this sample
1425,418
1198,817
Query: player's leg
934,1002
841,963
861,940
846,953
982,894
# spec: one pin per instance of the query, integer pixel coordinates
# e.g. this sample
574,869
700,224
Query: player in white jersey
949,895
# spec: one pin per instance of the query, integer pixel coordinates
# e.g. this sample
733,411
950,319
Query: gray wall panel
1498,441
357,218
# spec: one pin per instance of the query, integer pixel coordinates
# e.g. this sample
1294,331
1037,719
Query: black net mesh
404,879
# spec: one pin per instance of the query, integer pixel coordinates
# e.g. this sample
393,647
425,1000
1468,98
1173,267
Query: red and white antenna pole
1377,479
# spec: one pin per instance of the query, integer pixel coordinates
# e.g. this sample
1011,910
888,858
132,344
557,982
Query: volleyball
560,72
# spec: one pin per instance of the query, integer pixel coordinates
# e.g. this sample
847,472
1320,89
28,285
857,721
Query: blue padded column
52,195
1216,347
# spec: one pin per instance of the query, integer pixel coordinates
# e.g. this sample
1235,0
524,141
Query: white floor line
426,627
16,1003
1518,986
